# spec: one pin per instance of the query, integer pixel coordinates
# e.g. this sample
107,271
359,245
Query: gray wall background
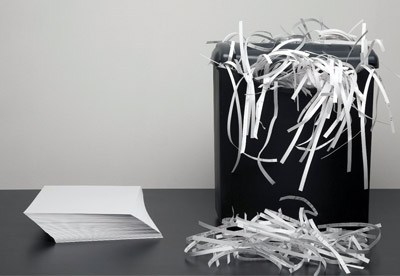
116,92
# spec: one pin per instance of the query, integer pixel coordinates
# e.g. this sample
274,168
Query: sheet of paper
60,204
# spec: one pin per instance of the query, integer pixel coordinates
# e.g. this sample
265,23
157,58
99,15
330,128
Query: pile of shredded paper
286,242
329,82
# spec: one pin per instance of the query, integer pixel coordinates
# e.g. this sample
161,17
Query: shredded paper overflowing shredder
338,195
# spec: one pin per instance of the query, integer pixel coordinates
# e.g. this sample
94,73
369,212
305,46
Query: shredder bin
338,195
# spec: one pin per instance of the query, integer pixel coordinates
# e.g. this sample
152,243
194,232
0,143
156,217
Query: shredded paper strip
333,80
286,242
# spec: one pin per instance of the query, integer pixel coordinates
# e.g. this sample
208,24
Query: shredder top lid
221,52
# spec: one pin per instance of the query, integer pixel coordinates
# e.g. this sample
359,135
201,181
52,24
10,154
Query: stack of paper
92,213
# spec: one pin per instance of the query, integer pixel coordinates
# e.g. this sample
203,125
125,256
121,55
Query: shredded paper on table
331,86
333,80
286,242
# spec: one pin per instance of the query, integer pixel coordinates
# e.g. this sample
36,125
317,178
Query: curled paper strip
330,84
285,241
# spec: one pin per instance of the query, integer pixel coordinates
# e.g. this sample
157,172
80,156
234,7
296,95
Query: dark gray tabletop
26,250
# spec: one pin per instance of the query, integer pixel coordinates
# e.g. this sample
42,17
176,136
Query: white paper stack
92,213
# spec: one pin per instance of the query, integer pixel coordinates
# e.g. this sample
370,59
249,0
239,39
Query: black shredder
338,195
